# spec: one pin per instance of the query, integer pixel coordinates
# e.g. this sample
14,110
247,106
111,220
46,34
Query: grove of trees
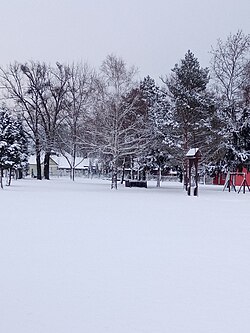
127,123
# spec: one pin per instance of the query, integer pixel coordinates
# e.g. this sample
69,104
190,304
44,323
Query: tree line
79,111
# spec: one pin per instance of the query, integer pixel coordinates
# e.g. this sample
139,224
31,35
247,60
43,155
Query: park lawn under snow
79,257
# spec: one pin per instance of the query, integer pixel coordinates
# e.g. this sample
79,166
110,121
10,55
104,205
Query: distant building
61,166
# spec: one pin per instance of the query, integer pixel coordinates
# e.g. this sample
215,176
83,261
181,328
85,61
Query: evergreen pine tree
157,108
13,144
191,107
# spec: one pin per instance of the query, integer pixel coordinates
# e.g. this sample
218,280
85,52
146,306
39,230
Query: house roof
32,159
62,162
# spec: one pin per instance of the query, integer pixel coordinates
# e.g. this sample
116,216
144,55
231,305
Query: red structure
220,178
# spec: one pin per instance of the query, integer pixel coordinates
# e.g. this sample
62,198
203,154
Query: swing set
231,181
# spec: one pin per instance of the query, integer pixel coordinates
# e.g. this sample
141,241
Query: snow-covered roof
62,162
32,159
192,152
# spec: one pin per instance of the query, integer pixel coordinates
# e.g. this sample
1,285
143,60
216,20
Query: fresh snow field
79,257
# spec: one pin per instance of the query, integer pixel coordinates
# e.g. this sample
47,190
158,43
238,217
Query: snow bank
78,257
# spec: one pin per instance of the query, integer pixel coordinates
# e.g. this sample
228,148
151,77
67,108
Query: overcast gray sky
152,35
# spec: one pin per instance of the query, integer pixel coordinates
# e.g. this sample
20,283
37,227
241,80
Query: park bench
135,183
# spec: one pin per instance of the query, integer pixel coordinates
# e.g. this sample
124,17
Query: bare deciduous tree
119,126
50,86
71,133
38,90
20,93
230,60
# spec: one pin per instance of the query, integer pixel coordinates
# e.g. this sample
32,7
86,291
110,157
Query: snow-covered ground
79,257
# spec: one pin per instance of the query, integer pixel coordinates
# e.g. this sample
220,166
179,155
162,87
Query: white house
60,165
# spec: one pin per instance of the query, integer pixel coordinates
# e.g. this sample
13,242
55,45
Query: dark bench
135,183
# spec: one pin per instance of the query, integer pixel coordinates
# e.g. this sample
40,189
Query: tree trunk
158,184
186,178
19,174
46,165
114,175
123,171
131,168
144,174
38,160
8,182
74,155
114,180
1,177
